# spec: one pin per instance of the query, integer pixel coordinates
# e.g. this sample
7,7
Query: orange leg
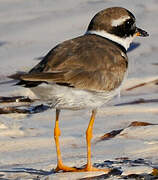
57,133
89,166
89,134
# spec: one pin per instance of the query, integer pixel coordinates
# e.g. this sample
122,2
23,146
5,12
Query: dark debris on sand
20,104
117,171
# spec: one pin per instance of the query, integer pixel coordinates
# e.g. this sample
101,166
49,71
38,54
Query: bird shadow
38,174
115,166
29,171
133,46
2,43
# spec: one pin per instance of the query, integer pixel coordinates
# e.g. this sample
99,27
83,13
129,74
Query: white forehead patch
118,22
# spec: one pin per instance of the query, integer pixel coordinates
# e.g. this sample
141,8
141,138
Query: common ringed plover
85,72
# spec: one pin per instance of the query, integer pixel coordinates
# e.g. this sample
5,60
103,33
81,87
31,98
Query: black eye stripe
126,29
129,22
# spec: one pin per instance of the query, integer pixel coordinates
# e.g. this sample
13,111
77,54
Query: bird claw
64,168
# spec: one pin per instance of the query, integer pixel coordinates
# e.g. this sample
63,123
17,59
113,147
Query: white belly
62,97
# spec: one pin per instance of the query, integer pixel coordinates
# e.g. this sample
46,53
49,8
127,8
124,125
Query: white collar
125,42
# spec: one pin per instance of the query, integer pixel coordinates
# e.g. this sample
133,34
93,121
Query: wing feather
86,62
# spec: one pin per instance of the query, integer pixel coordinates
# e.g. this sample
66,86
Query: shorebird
85,72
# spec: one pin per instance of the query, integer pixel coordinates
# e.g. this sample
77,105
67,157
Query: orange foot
73,169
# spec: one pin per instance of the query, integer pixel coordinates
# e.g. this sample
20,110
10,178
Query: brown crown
102,20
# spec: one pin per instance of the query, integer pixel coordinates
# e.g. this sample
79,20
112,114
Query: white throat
125,42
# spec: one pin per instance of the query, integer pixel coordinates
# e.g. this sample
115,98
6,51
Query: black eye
129,23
